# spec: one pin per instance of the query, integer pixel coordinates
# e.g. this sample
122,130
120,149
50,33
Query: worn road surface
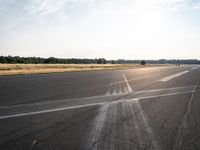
135,109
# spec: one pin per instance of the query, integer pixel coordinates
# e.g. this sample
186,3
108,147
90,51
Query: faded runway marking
95,97
173,76
127,84
125,118
97,127
195,67
87,105
150,134
119,85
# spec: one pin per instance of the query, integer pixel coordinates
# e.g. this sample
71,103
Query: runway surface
135,109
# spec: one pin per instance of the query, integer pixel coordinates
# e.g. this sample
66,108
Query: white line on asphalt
109,89
120,82
164,89
87,105
120,89
147,128
94,97
96,129
128,86
114,92
195,67
173,76
165,95
48,111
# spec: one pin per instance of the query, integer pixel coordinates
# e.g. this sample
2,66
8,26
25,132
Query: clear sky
113,29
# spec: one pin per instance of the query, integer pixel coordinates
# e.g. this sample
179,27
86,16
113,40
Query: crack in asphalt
184,123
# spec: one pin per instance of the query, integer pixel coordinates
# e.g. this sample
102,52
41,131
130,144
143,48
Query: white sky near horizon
113,29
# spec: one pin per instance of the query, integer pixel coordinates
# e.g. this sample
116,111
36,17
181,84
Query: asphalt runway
134,109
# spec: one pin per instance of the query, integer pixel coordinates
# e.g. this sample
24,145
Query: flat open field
14,69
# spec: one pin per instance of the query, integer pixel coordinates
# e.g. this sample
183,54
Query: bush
143,62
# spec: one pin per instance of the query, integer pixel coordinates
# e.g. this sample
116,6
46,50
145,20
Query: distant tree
112,62
101,61
3,60
143,62
50,60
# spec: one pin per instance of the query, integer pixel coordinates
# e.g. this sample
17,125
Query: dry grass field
14,69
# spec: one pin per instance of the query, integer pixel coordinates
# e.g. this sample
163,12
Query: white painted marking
164,89
173,76
95,133
128,86
94,97
112,80
120,82
148,129
195,67
120,89
125,89
55,101
165,95
48,111
87,105
114,92
109,89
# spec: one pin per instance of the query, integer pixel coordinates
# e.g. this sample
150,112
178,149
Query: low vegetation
14,69
53,60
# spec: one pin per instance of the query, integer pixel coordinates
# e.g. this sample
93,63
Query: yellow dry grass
14,69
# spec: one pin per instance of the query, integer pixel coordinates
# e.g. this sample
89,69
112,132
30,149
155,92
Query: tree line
53,60
50,60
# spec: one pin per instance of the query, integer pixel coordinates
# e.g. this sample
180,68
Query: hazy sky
130,29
